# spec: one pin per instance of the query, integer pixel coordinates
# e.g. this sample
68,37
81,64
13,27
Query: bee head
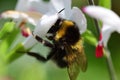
65,25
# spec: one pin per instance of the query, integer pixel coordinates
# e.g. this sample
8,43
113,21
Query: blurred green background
28,68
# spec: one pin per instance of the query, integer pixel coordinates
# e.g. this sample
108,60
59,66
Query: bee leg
39,57
44,42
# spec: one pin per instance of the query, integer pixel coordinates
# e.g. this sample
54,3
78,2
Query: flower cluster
110,20
43,15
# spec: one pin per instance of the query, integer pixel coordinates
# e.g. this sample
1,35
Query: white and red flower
110,23
20,19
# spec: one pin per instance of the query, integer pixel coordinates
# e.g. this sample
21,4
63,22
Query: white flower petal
106,33
31,21
78,17
20,5
29,42
18,17
10,14
33,5
26,17
45,23
13,15
105,15
60,4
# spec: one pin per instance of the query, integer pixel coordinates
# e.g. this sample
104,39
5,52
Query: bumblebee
67,49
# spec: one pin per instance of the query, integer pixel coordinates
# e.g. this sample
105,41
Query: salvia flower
110,23
18,16
49,19
20,19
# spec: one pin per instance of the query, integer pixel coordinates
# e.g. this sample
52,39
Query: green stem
91,2
15,53
110,65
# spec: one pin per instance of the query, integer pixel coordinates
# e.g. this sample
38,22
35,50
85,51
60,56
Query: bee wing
76,60
73,70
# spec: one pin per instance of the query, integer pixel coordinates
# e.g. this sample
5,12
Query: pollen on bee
61,32
59,35
70,58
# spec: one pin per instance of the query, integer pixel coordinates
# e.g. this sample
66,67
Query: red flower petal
99,48
25,32
99,51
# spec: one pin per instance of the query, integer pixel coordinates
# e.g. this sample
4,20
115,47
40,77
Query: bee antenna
61,10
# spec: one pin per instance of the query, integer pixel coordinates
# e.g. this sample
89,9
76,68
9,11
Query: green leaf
6,29
8,40
90,38
105,3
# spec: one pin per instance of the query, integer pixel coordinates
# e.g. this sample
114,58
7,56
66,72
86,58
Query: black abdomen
58,58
